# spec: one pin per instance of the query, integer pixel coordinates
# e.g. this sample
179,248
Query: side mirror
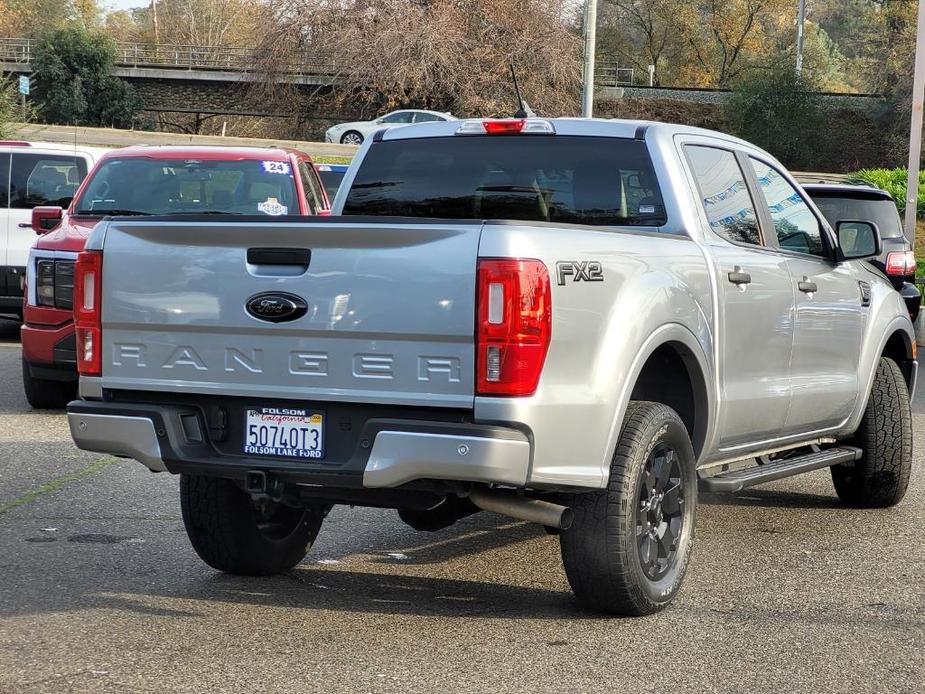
858,239
45,219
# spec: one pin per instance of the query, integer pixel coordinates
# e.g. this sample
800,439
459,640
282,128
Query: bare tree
650,29
443,54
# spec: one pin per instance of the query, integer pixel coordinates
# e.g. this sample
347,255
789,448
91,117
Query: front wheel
351,137
232,533
880,478
629,546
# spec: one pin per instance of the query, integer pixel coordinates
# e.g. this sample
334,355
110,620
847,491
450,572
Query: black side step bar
778,469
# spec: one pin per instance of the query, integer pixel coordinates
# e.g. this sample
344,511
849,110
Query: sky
124,4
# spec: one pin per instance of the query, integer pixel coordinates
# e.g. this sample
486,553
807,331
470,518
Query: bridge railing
233,59
609,75
211,58
17,51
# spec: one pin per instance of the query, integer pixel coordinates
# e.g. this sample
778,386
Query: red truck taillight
88,283
514,326
900,263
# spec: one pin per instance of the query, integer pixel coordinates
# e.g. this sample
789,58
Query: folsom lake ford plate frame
284,432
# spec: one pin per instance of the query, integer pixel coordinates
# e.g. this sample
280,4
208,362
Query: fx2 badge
579,271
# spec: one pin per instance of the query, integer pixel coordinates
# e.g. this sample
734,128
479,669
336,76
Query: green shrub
8,98
74,84
894,182
784,114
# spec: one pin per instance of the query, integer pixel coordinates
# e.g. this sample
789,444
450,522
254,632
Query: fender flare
667,333
899,324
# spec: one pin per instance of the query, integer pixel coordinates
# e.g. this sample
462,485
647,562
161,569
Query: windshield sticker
276,167
272,207
647,209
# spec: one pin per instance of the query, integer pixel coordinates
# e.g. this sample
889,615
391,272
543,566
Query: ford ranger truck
572,322
142,180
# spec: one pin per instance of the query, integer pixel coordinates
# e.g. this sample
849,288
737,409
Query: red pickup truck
139,181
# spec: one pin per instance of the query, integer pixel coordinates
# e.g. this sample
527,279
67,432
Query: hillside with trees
454,55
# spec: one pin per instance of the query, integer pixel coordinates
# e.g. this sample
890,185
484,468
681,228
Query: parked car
649,307
32,174
331,177
842,200
355,133
142,181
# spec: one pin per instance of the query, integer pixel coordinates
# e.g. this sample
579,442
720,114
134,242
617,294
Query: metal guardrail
179,57
19,51
609,75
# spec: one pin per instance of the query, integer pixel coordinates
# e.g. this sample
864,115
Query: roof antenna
523,108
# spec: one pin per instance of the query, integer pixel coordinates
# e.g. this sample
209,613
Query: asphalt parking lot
100,591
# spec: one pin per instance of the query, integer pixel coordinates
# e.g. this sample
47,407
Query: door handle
738,276
279,256
25,225
806,286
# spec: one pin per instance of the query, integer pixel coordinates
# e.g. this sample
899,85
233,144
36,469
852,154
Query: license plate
284,433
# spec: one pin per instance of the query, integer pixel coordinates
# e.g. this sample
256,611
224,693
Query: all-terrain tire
231,535
880,478
603,549
43,394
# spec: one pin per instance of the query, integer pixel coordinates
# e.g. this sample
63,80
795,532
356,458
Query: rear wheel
628,548
881,476
232,533
44,394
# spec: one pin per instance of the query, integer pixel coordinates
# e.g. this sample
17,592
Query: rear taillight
506,126
514,326
88,282
900,263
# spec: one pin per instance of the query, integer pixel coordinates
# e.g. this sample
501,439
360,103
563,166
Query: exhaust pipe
530,510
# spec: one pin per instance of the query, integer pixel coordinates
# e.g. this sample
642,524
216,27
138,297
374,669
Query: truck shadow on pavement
771,499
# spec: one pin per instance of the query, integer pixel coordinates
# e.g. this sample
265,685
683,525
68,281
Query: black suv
840,199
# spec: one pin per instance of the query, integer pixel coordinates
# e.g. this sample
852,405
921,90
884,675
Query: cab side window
724,194
796,226
43,179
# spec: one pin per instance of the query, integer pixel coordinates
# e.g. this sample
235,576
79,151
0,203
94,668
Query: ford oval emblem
276,307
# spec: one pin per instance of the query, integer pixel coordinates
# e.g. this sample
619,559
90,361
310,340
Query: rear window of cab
601,181
141,185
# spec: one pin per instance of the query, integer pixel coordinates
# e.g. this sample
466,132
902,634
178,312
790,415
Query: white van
32,174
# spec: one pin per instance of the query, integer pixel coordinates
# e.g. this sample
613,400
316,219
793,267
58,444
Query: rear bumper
390,453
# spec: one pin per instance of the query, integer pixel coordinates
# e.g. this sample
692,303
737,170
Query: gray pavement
100,591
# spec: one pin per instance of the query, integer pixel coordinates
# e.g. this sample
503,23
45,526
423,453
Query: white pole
587,96
801,25
915,132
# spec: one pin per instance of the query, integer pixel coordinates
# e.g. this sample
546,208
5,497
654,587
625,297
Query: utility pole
915,132
801,26
157,38
587,96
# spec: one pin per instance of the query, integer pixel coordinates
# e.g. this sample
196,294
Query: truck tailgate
389,309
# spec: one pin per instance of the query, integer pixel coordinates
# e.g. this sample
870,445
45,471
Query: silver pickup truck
572,322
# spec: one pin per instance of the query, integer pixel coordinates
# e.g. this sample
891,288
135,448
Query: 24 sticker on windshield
272,206
276,167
